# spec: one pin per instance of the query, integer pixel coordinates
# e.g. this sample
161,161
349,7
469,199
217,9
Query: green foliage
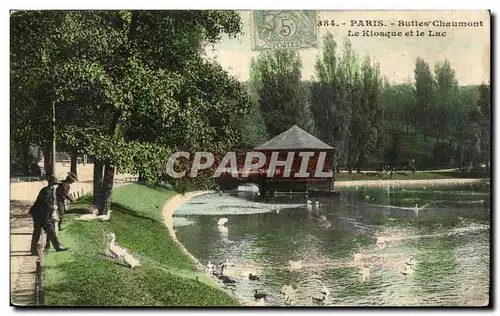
276,78
84,277
346,103
121,94
425,94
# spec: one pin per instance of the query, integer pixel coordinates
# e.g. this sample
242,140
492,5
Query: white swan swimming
295,265
223,221
290,295
325,291
365,273
210,266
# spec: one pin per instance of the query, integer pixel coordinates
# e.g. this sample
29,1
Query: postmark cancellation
275,29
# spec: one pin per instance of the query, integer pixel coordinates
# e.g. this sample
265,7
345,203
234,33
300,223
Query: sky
467,48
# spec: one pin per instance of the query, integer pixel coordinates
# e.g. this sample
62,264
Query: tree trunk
103,204
349,158
98,181
74,159
140,178
47,160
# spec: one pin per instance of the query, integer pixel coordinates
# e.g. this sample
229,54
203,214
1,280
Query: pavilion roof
292,139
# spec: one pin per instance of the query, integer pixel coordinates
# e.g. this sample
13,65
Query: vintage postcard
250,158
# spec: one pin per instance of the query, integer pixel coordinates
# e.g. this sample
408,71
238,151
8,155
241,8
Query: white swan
222,222
325,291
117,252
210,266
223,231
358,257
295,265
290,296
86,217
365,273
411,261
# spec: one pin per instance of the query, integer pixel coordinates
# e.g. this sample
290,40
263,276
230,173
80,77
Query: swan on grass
115,251
104,217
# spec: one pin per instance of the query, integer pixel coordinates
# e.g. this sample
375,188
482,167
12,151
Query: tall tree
328,107
446,96
484,104
282,98
425,92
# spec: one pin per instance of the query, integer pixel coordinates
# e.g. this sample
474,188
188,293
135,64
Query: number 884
326,23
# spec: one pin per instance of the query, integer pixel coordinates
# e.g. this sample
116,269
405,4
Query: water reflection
373,246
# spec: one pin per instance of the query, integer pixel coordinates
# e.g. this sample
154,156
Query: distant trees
368,119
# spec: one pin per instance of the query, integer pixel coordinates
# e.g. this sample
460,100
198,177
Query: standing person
62,194
41,211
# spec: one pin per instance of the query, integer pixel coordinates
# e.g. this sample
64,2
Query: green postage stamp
274,29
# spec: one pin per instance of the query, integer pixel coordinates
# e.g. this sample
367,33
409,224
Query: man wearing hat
42,214
62,194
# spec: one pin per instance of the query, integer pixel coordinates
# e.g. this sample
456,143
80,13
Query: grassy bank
84,276
419,175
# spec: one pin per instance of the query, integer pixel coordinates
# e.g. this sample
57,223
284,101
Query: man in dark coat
41,212
62,194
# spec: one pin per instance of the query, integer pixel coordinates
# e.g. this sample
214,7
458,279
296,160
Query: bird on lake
226,279
365,273
253,277
410,261
318,300
258,295
210,266
325,291
406,271
295,264
223,221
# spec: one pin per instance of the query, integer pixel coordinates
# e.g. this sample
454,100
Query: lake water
358,246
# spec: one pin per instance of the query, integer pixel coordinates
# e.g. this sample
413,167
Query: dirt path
22,264
168,211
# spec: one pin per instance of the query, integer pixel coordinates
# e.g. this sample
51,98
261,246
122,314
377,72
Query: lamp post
53,138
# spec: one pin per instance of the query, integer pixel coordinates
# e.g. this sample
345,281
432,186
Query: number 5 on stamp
275,29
